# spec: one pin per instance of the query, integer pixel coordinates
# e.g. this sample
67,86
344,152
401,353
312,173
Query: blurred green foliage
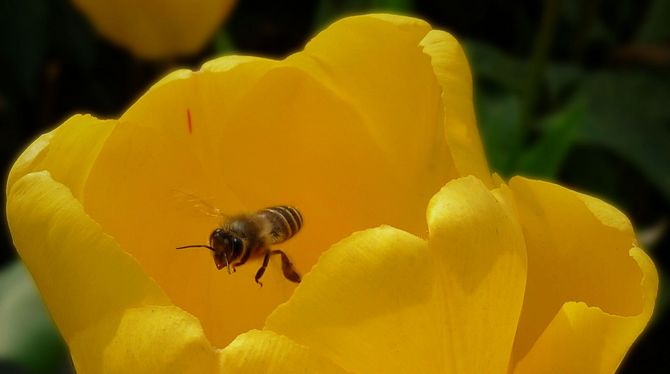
623,110
28,337
566,90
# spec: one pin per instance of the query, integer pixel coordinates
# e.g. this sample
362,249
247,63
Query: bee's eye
236,244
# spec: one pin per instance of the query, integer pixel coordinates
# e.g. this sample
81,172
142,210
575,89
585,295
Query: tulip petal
365,60
68,152
153,29
453,74
480,268
365,305
266,352
251,133
75,265
93,288
589,294
392,101
398,305
180,137
150,339
583,339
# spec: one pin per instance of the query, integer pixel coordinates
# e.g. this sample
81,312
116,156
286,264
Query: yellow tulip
423,262
156,29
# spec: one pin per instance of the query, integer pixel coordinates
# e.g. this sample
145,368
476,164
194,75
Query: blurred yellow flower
157,29
362,129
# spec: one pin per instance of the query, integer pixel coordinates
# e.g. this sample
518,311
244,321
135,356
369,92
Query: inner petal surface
280,138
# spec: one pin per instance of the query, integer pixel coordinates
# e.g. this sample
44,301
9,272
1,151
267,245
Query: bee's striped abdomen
285,221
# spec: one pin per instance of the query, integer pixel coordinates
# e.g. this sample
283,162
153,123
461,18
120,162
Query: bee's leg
260,271
235,265
287,267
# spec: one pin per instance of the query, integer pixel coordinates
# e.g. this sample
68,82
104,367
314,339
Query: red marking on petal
190,125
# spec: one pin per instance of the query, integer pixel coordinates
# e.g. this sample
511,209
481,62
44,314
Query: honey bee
247,236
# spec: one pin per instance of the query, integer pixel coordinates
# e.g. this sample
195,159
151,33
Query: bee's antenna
197,246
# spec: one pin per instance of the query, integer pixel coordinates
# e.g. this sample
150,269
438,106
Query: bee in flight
247,236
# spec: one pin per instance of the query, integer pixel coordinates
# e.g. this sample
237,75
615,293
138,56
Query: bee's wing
193,202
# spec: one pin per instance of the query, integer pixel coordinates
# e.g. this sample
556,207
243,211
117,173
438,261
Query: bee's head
227,247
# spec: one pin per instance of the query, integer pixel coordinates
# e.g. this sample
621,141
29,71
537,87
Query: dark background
572,91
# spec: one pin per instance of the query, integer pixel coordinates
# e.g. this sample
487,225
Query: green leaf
28,336
491,65
559,133
656,27
510,73
499,122
562,80
628,113
223,43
